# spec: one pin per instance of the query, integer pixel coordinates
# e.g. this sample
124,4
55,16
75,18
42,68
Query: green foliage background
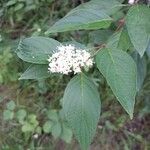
30,108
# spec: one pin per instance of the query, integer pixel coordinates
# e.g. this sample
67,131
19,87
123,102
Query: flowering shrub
116,58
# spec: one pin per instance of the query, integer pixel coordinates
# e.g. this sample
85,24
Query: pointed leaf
90,15
119,70
138,26
81,106
36,49
35,71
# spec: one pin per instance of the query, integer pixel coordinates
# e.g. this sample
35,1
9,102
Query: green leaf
11,105
8,115
33,120
119,70
66,134
38,130
20,115
35,71
56,130
47,127
27,127
119,40
138,26
18,6
148,49
141,69
90,15
37,49
81,107
99,36
53,115
11,2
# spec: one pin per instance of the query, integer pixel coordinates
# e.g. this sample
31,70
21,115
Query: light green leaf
11,2
81,107
18,6
90,15
27,127
119,40
8,115
66,134
47,127
11,105
119,70
37,49
38,130
53,115
20,115
36,71
33,120
138,26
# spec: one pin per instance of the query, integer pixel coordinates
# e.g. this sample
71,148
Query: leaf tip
131,116
46,33
20,78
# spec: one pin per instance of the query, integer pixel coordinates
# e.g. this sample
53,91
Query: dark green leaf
119,70
138,26
119,40
141,69
37,49
90,15
148,49
36,72
99,36
81,106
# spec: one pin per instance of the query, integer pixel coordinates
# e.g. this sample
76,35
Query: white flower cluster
69,59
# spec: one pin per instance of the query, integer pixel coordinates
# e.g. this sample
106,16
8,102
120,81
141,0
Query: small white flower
35,136
39,30
131,1
69,59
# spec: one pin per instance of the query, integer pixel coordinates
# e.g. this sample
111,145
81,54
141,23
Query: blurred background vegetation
28,109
